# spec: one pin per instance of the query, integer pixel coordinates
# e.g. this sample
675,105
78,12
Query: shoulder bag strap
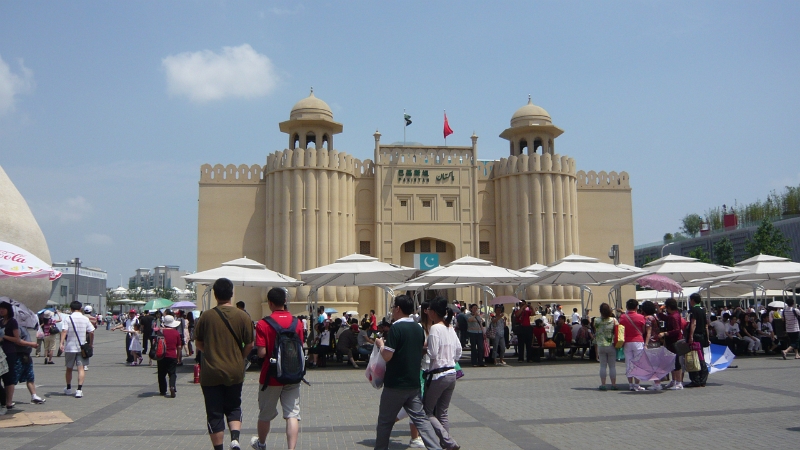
633,324
76,331
228,324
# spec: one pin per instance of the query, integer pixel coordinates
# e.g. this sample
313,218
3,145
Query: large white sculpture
19,227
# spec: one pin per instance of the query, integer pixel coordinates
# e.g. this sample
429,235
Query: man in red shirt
524,332
373,320
634,339
289,394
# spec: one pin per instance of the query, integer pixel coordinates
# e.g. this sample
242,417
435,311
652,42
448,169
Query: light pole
665,246
77,263
613,254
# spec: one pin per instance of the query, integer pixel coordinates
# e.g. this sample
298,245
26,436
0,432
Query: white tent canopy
356,270
470,270
581,271
241,272
244,272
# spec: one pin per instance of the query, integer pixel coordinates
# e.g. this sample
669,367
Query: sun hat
48,314
169,322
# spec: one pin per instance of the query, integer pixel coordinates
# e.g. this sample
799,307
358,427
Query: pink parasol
16,262
652,364
659,283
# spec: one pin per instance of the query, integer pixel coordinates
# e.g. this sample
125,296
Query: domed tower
539,189
311,123
310,211
531,131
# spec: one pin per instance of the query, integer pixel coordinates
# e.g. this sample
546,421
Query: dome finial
529,97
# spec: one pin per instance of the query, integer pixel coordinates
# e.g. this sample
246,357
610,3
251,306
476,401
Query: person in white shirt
127,325
719,330
77,331
576,318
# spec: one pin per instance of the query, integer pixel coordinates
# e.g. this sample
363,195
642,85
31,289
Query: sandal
602,388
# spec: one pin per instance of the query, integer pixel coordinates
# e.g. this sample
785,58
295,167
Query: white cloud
70,210
98,239
12,85
287,11
204,76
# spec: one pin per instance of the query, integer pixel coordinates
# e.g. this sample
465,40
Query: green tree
723,252
668,237
769,241
700,254
168,293
691,224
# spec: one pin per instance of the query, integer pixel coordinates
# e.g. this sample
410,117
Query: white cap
87,308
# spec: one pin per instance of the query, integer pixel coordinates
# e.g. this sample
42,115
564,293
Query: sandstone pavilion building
311,204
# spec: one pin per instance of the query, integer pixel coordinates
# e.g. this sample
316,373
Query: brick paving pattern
528,406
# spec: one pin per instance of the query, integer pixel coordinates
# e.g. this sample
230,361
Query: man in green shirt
402,351
224,335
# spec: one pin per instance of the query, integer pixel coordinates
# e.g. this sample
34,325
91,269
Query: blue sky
108,109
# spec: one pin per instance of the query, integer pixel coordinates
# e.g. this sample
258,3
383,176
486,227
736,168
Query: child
136,345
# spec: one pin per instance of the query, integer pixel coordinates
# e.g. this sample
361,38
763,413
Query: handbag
619,335
86,349
620,354
3,363
549,344
491,332
459,372
682,347
692,360
487,349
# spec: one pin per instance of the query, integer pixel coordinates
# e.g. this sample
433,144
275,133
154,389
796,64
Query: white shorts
289,396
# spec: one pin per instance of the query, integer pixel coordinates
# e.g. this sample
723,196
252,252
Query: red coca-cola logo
10,256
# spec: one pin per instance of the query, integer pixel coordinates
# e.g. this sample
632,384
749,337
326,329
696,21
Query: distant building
738,237
164,277
91,283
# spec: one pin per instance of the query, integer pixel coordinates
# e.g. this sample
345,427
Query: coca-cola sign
11,256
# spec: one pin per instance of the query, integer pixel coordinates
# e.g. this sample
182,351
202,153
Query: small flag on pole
407,117
447,130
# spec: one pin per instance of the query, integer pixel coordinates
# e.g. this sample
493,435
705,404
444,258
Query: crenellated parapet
536,163
427,156
320,159
231,174
603,180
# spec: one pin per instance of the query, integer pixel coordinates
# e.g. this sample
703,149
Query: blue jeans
476,348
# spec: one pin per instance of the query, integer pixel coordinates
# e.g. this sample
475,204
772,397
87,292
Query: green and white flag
408,119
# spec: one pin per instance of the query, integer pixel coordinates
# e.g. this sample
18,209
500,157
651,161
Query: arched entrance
426,253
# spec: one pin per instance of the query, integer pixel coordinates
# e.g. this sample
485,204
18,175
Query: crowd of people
421,349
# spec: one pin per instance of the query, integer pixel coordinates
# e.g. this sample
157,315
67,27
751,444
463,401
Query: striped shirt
82,326
790,315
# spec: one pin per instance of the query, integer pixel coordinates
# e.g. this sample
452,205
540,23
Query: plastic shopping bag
376,369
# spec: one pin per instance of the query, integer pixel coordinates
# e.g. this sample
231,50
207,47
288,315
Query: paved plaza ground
530,406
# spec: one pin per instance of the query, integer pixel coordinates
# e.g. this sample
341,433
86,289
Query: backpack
287,363
582,339
161,346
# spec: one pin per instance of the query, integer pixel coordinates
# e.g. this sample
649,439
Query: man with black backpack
279,341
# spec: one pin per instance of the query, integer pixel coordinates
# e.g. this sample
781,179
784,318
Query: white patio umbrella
16,262
471,271
355,270
580,271
763,272
241,272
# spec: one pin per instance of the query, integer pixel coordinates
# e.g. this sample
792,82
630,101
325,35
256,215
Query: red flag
447,130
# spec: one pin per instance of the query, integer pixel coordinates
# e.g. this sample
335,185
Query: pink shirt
634,326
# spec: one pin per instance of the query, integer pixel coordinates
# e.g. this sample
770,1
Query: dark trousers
128,353
524,338
699,378
146,340
476,348
166,367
